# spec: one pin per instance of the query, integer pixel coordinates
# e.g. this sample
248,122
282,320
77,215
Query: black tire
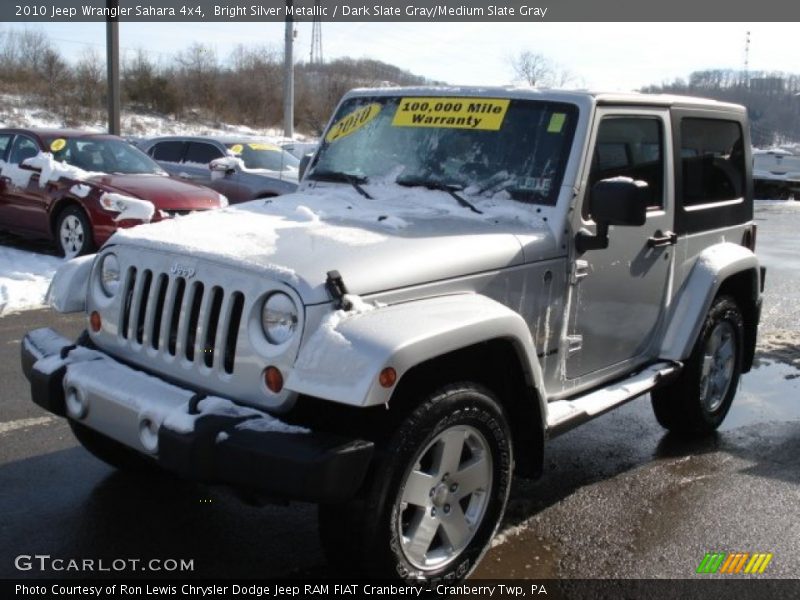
73,232
365,537
687,405
112,452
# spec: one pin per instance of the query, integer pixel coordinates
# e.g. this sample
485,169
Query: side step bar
563,415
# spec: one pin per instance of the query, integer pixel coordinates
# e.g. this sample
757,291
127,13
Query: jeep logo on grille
182,270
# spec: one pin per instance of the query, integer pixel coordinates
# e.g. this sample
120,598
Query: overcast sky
604,56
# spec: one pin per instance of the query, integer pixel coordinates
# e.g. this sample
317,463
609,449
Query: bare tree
536,70
199,71
531,68
89,76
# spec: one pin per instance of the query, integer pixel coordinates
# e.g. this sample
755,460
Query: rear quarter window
712,161
168,151
201,153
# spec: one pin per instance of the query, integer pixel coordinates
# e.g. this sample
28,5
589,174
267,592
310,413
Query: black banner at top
400,10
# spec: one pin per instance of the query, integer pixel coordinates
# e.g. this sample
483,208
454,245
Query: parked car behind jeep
463,275
242,168
77,188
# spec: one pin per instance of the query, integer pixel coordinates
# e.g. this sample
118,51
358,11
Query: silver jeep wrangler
463,274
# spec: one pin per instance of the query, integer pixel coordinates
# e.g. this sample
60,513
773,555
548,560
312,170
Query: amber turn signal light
95,322
273,379
388,377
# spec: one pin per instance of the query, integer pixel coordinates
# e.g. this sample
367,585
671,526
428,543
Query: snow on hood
405,236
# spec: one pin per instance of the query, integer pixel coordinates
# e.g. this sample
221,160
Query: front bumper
210,439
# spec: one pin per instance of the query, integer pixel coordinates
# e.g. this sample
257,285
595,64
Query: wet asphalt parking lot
619,497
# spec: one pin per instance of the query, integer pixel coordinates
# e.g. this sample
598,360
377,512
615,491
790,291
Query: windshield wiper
340,176
450,188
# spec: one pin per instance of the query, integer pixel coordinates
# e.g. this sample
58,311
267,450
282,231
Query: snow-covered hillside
16,111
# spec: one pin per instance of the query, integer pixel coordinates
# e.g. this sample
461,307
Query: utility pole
112,66
316,37
747,60
288,75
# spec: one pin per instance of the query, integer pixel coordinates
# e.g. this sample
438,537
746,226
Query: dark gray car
242,168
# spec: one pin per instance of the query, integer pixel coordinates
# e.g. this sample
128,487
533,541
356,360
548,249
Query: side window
712,161
201,153
23,147
630,147
5,142
168,151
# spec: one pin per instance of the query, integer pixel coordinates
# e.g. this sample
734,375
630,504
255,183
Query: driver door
619,293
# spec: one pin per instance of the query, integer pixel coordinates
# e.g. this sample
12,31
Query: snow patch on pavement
10,426
24,279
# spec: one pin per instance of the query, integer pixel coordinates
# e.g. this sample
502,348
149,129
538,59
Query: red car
77,188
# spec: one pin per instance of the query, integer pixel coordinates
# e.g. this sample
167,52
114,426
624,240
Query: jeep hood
403,237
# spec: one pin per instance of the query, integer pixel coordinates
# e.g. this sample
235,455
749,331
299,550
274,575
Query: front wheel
436,495
698,401
74,232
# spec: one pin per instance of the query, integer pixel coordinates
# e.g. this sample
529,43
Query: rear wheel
436,495
698,401
74,232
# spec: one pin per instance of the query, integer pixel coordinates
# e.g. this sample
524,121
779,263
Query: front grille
190,320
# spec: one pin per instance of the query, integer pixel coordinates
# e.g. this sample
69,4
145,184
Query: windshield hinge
574,344
580,270
337,289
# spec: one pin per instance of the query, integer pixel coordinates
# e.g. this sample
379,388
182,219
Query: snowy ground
24,277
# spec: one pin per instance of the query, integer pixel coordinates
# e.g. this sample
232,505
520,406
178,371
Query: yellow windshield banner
352,122
260,146
452,113
237,148
58,144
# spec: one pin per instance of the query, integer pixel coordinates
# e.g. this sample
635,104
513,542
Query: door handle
660,239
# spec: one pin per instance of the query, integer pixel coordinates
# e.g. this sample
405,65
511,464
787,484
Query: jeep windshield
479,146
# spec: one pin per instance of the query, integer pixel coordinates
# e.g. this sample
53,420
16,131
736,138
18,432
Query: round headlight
279,318
109,274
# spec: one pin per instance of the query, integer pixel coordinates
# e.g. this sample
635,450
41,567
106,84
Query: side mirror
304,162
223,166
617,201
